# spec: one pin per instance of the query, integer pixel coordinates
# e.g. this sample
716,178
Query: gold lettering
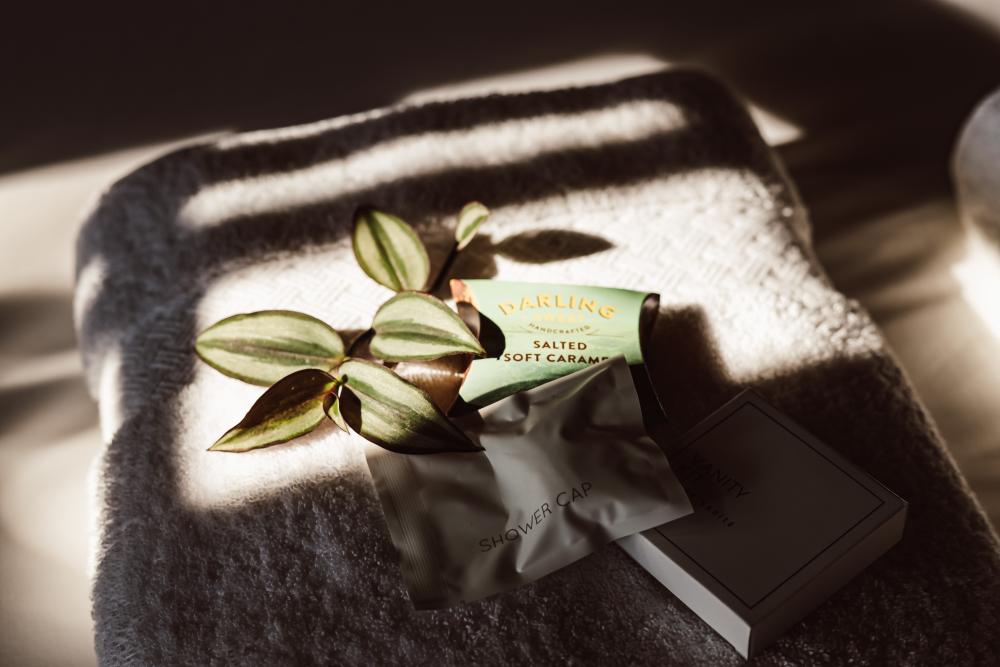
526,303
507,308
587,304
559,301
544,301
607,312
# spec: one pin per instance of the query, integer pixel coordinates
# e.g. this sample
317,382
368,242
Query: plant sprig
306,367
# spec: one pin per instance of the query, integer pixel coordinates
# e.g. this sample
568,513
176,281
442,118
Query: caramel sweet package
536,332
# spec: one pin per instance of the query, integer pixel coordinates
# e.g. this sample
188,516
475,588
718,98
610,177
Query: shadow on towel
178,259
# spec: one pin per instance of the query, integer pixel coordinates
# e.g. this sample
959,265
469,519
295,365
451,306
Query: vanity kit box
781,522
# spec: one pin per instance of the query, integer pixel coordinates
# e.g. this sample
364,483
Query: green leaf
391,413
389,251
471,216
292,407
331,405
263,347
413,326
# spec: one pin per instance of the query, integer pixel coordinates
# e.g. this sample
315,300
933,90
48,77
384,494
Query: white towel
659,183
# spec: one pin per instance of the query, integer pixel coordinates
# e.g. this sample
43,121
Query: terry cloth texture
659,183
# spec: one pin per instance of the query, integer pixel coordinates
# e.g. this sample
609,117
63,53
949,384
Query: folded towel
659,183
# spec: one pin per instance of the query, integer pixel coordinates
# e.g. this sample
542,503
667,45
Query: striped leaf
389,251
471,216
412,326
331,406
391,413
292,407
263,347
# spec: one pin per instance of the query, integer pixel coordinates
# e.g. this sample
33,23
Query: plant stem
445,269
359,346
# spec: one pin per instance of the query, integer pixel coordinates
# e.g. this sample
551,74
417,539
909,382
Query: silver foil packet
567,467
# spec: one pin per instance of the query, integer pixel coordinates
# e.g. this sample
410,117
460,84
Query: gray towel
659,183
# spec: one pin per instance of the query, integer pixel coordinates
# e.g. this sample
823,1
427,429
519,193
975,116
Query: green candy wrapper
536,332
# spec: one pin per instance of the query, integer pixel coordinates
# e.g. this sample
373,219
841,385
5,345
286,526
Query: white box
781,522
